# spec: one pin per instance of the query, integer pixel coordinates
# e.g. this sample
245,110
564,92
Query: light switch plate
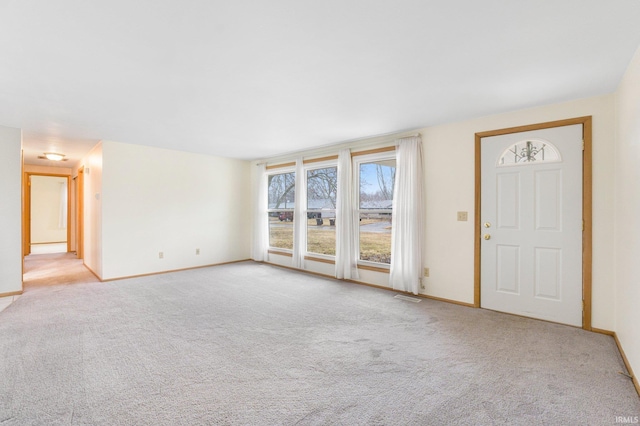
462,216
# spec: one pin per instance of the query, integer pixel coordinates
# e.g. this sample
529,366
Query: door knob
487,236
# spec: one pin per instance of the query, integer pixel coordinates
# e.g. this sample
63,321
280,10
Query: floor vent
407,298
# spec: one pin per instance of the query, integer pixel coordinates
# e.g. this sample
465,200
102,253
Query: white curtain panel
346,220
261,218
408,217
300,217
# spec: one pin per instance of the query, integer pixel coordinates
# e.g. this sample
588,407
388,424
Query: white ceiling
252,79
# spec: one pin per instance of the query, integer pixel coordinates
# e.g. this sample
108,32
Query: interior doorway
47,221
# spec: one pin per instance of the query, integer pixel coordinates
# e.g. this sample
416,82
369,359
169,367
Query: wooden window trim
374,268
320,159
373,151
280,166
280,253
320,259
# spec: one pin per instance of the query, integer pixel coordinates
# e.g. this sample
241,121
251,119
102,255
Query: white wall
92,223
10,210
627,202
47,209
449,166
449,187
157,200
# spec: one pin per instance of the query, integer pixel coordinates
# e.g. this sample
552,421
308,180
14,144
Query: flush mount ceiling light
53,156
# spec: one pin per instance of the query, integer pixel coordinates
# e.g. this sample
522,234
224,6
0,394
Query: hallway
55,269
49,270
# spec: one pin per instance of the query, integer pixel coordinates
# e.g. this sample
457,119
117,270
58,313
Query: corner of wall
10,210
626,281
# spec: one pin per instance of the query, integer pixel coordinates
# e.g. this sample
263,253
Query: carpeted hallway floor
254,344
55,269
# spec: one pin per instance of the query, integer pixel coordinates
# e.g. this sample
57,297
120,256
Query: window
322,185
529,151
376,177
282,197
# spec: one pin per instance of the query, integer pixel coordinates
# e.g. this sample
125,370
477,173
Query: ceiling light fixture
54,156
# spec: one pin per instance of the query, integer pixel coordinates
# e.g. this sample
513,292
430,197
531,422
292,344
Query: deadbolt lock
487,236
487,225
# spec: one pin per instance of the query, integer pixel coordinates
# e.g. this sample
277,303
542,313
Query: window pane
529,151
281,229
321,200
322,185
375,237
282,191
321,233
376,184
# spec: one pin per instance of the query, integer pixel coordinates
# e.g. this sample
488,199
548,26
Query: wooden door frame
27,210
80,214
587,213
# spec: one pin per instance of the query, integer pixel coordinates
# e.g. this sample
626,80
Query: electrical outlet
422,284
462,216
197,251
160,255
426,272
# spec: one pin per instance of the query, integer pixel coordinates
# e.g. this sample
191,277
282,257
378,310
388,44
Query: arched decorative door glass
529,151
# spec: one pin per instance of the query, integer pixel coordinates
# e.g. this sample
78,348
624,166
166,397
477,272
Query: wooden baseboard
92,271
634,378
442,299
601,331
613,334
167,272
424,296
11,293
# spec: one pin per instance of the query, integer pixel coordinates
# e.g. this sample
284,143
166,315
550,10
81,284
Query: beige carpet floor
253,344
55,269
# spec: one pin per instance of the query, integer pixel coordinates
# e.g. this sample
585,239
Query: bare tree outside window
386,179
377,179
282,191
322,187
282,198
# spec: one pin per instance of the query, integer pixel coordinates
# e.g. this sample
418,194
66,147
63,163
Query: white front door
531,218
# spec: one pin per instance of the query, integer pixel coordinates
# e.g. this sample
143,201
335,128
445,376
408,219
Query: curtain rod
327,148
